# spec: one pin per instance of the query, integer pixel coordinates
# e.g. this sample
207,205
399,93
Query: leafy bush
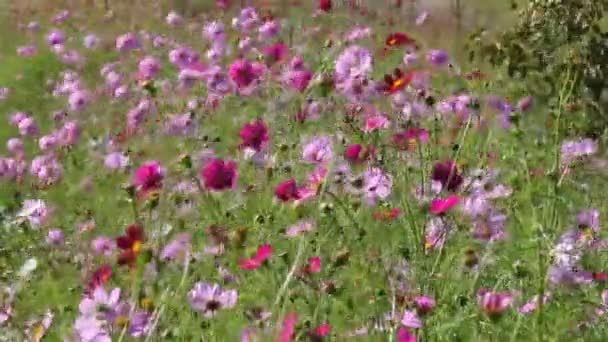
554,39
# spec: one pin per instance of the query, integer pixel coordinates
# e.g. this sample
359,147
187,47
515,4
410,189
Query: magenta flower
525,104
354,153
403,335
263,253
297,79
442,205
287,191
533,303
494,304
148,178
218,175
376,122
275,53
254,135
288,327
447,174
318,150
314,265
424,304
244,73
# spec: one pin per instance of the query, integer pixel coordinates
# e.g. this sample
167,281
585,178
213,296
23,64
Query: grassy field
286,184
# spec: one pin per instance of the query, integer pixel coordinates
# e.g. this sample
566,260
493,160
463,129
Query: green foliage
551,38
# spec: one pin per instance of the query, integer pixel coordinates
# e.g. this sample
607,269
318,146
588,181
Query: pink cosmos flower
208,299
218,174
269,29
127,41
376,122
173,19
148,68
254,135
314,265
376,185
494,304
275,53
440,206
533,303
287,191
103,245
424,304
322,330
244,73
288,329
410,319
435,233
299,228
297,79
263,253
148,178
403,335
27,51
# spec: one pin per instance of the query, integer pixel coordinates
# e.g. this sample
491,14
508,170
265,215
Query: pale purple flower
318,150
27,127
354,61
299,228
127,41
116,161
436,232
33,26
55,37
269,29
410,319
376,185
476,205
148,68
494,304
215,32
14,146
422,17
589,219
12,168
103,245
182,57
91,329
78,100
121,92
90,41
247,19
358,33
207,299
27,51
410,57
46,168
173,19
68,134
574,149
55,237
35,212
179,246
61,16
563,275
489,228
100,303
533,303
437,57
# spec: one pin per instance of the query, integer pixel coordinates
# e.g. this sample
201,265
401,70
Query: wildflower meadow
292,171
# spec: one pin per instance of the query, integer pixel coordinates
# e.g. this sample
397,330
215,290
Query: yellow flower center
122,321
136,246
